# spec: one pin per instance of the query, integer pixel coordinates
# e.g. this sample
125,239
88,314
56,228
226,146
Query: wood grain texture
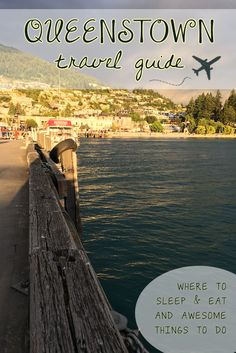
59,179
69,312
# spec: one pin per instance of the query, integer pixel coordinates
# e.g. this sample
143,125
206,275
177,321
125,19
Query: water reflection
150,206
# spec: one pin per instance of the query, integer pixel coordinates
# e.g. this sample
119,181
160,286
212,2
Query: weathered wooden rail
69,312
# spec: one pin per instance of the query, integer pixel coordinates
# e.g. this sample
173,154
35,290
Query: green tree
205,106
11,110
231,101
228,115
189,123
208,106
204,122
150,119
218,106
15,109
31,123
135,117
190,107
19,110
68,110
44,100
31,93
198,106
156,127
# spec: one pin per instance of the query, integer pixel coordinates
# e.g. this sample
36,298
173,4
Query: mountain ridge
18,68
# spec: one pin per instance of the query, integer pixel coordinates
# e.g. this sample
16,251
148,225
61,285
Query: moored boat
60,130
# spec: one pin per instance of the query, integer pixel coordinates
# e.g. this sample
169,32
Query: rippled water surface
149,206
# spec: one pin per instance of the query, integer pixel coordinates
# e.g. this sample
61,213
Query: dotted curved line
171,84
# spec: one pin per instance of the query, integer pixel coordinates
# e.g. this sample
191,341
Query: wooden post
69,169
48,143
41,139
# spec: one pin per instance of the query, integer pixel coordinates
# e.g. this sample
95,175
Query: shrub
156,127
135,117
210,129
204,122
201,130
229,130
190,123
150,119
220,127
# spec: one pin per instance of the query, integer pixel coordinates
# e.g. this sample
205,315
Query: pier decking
14,241
68,310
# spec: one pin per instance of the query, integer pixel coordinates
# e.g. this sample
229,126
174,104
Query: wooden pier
68,310
14,240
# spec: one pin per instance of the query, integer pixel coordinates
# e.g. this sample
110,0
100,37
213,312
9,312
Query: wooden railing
69,312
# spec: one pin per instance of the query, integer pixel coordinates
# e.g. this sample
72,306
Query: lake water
149,206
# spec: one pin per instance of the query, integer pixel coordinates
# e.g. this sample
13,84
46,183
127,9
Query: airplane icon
206,65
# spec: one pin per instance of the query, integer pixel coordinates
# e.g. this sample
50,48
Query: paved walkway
13,246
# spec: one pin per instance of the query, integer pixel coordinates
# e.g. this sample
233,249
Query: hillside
22,70
53,102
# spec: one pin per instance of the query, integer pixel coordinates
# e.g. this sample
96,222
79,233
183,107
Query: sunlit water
149,206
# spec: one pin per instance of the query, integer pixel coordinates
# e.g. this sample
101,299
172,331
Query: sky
116,4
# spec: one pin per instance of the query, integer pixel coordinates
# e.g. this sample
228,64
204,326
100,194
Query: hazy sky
109,4
12,24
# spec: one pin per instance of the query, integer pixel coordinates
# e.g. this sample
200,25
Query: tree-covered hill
16,65
208,115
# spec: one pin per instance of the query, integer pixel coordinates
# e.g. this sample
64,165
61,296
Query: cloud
116,4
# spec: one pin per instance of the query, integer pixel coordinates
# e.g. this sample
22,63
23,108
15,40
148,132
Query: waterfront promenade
14,246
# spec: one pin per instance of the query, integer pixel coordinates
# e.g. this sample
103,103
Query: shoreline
173,135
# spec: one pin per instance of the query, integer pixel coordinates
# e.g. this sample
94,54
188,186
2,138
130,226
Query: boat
60,130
